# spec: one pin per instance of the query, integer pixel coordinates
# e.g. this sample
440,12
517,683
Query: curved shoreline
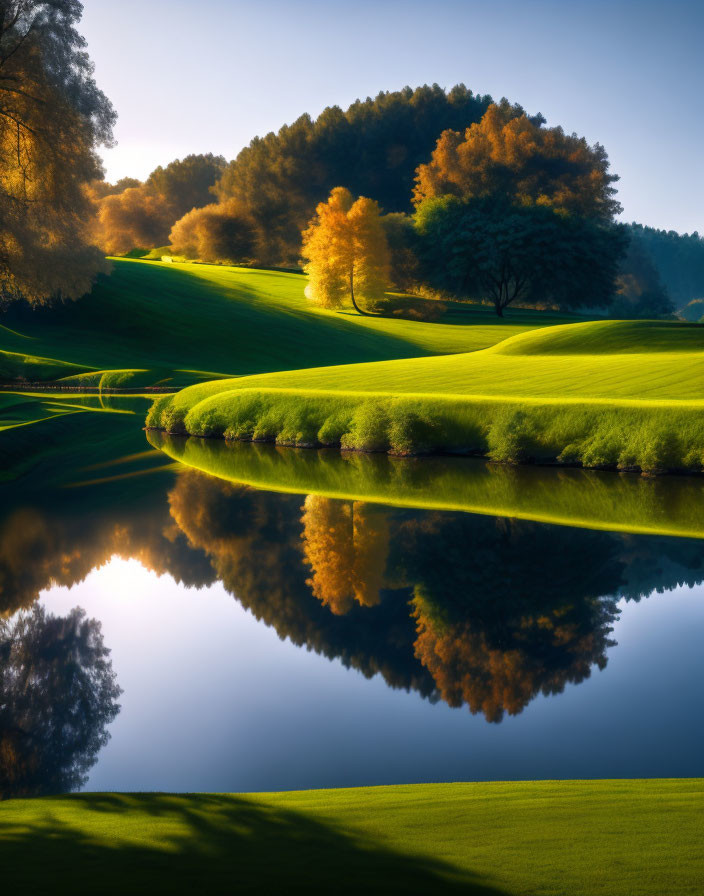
477,454
648,438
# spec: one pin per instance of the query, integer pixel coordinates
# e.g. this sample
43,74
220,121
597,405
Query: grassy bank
610,394
150,323
641,838
572,497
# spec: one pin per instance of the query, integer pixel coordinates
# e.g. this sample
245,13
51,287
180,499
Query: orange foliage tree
347,252
133,215
543,653
52,119
219,232
346,544
513,158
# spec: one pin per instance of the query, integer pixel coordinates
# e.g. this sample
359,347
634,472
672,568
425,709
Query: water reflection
58,694
482,612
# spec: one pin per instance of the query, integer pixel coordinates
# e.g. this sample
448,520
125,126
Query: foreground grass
641,838
656,506
151,323
627,395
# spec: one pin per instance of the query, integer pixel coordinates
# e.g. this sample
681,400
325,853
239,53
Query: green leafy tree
640,292
678,259
484,249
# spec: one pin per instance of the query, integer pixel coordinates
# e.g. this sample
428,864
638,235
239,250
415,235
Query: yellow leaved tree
347,252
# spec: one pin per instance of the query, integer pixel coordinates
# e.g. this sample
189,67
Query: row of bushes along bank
650,438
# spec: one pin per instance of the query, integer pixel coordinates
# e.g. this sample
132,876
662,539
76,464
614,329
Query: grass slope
153,323
605,393
641,838
661,506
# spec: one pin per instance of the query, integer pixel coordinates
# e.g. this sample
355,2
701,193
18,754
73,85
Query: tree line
430,191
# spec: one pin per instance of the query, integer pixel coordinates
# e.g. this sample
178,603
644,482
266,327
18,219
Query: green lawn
152,323
601,393
582,838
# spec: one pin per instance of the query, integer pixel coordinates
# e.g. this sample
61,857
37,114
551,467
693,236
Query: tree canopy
373,148
513,158
52,119
492,250
511,211
678,259
219,232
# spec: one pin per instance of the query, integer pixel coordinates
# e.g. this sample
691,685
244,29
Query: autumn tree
52,119
143,214
514,158
347,252
219,232
512,211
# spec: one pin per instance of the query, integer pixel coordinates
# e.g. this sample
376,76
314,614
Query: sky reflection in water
441,645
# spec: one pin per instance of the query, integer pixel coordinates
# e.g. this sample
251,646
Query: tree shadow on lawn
156,843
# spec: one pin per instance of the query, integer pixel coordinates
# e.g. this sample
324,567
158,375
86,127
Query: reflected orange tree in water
346,544
474,610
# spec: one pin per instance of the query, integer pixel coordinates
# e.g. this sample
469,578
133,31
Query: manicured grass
152,323
555,393
662,506
641,838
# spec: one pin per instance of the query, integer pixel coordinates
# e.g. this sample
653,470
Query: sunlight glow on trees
347,252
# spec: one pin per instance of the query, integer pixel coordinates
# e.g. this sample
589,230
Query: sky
208,77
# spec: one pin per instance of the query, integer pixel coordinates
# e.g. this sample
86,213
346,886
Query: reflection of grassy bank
671,506
584,837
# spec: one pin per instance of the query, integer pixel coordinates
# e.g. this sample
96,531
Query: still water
328,629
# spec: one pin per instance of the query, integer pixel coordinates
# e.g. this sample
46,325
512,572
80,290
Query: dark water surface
270,640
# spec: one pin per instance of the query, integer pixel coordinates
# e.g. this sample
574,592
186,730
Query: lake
287,619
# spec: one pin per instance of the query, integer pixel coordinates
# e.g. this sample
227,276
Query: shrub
509,437
208,423
411,432
155,412
369,429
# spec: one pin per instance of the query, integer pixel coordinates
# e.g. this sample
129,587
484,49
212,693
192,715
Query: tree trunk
354,303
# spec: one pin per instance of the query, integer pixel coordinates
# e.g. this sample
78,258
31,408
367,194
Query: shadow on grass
156,843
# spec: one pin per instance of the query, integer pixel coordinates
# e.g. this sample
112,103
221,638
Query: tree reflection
42,547
58,694
475,610
500,610
346,544
254,542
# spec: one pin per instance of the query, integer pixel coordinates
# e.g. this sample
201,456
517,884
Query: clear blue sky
209,76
